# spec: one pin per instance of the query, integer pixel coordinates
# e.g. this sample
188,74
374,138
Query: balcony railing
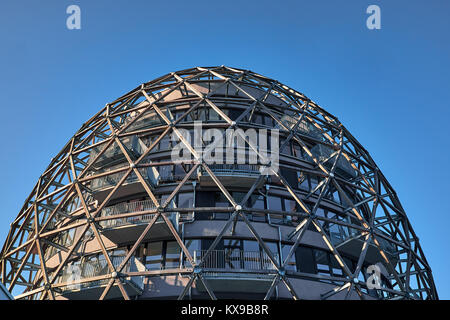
152,176
234,169
129,207
112,180
78,271
235,260
304,127
146,121
322,153
114,152
346,234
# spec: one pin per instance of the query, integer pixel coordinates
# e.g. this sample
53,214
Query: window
350,264
154,256
257,202
298,152
199,114
273,247
233,114
286,149
303,181
159,255
221,201
194,248
179,172
165,173
213,115
323,224
257,119
336,269
268,121
314,183
164,198
172,257
290,176
305,260
274,203
322,262
336,197
204,199
290,265
232,253
165,143
290,206
185,200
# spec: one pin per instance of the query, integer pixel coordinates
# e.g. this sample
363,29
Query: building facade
136,206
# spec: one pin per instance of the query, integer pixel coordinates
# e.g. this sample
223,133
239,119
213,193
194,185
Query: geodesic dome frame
62,198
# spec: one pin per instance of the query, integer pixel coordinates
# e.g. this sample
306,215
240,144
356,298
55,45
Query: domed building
213,183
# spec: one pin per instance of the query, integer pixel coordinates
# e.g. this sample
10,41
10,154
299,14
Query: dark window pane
290,265
322,261
290,176
257,202
303,181
336,268
275,203
154,256
173,251
286,149
185,200
305,260
194,248
204,199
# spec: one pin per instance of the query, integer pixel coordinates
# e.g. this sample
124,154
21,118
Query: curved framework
66,197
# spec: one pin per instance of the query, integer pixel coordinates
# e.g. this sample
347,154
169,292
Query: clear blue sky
389,87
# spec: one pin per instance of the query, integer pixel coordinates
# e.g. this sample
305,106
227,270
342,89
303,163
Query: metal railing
115,152
146,121
234,169
64,238
112,180
345,234
322,152
153,178
132,207
168,177
78,271
235,260
304,127
127,207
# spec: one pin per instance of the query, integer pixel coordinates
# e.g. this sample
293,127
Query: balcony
128,228
343,167
86,280
103,185
350,242
236,270
232,175
144,122
153,176
114,154
304,127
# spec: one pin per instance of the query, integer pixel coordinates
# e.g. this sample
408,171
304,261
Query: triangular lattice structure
114,215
